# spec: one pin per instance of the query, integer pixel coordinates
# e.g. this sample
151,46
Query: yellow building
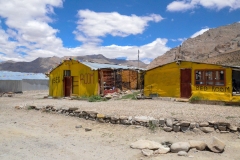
74,78
184,79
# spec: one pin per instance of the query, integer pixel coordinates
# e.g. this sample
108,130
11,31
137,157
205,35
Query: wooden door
185,84
67,86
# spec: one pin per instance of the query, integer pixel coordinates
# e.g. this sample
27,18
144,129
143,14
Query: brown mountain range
219,45
42,65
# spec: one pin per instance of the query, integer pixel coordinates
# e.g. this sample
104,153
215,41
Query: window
67,73
210,77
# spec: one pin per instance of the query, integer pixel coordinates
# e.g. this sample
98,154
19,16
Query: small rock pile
167,124
150,148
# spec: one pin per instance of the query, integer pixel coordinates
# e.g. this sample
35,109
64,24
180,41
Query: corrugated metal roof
96,66
7,75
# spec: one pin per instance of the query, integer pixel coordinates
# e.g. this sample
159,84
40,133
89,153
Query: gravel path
148,107
30,134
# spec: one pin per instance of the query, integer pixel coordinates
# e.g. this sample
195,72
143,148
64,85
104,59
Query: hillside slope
211,43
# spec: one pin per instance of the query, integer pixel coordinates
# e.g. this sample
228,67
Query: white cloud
92,25
184,5
199,32
28,34
27,23
179,39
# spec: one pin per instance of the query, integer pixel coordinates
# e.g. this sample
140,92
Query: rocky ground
31,134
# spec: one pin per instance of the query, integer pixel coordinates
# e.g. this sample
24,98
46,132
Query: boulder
199,145
216,146
167,129
180,146
123,118
144,119
182,153
169,122
162,150
207,129
99,115
204,124
184,123
72,108
176,128
184,129
222,128
192,125
147,152
233,128
146,144
161,121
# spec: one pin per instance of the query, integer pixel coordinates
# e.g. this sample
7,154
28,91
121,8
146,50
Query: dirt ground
30,134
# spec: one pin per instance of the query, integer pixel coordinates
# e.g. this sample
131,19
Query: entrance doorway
185,83
67,85
235,82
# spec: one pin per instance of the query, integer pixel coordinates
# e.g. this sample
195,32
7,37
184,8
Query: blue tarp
7,75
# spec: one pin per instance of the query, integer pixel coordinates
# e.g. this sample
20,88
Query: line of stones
168,124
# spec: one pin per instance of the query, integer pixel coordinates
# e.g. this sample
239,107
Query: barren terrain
30,134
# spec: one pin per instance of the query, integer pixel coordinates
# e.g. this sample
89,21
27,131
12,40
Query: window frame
205,80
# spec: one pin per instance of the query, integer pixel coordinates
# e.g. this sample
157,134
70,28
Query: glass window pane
219,83
209,75
209,82
221,75
217,75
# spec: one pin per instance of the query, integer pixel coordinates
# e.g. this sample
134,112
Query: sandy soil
30,134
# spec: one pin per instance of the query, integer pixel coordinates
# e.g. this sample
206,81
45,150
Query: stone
223,124
233,128
18,107
108,96
167,143
204,124
147,152
182,153
180,146
176,128
222,128
88,129
145,144
99,115
184,123
123,118
161,122
184,129
212,122
101,120
114,118
192,125
143,118
207,129
169,122
162,150
72,108
167,129
199,145
216,146
78,126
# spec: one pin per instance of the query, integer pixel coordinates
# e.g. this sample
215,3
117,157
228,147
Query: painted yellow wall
85,80
165,81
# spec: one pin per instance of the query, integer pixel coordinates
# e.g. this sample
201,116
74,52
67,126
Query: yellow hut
185,79
74,78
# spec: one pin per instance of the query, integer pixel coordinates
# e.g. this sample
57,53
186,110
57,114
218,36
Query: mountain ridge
44,64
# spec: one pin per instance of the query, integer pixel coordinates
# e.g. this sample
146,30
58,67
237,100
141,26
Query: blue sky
114,28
